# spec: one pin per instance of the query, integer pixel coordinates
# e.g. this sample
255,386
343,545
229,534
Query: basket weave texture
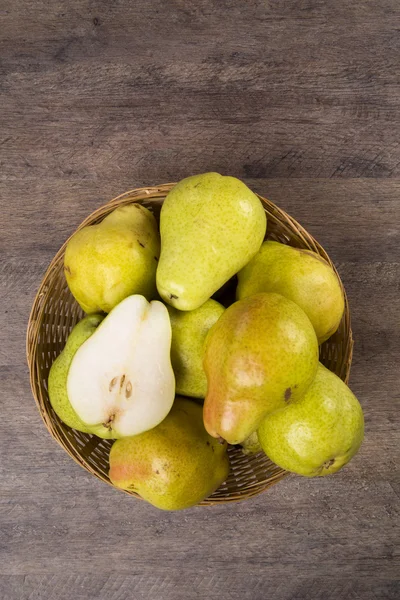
55,312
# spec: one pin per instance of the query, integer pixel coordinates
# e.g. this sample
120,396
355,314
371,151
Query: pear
300,275
319,434
175,465
57,382
121,378
107,262
210,226
251,445
261,355
189,331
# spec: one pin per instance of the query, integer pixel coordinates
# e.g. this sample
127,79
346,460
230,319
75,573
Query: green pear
300,275
319,434
57,382
251,445
210,226
107,262
121,378
261,355
175,465
189,331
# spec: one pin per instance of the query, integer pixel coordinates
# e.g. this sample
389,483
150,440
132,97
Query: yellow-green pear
320,433
107,262
189,331
261,355
251,445
175,465
300,275
57,382
210,226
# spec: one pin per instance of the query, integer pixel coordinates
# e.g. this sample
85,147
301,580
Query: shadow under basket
55,312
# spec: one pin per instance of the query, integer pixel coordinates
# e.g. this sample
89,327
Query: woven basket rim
35,318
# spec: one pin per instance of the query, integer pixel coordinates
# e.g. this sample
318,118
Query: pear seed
112,383
122,382
128,390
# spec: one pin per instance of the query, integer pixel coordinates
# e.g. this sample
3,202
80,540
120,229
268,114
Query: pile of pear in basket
214,352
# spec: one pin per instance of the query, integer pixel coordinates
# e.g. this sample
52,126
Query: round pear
320,433
175,465
300,275
57,382
107,262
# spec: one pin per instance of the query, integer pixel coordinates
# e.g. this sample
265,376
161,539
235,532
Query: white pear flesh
122,377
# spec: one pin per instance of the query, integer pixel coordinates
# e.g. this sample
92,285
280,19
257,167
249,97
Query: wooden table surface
300,99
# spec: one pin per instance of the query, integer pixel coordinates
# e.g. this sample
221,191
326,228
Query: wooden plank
365,211
300,99
306,91
174,584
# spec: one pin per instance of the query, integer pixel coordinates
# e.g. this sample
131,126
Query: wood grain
299,98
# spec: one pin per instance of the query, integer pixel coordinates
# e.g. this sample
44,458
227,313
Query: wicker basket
55,312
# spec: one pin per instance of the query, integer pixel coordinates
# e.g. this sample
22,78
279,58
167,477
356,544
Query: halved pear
122,377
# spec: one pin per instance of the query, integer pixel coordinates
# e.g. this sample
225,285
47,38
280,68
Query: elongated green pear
173,466
210,226
121,378
57,383
261,355
320,433
189,331
107,262
300,275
